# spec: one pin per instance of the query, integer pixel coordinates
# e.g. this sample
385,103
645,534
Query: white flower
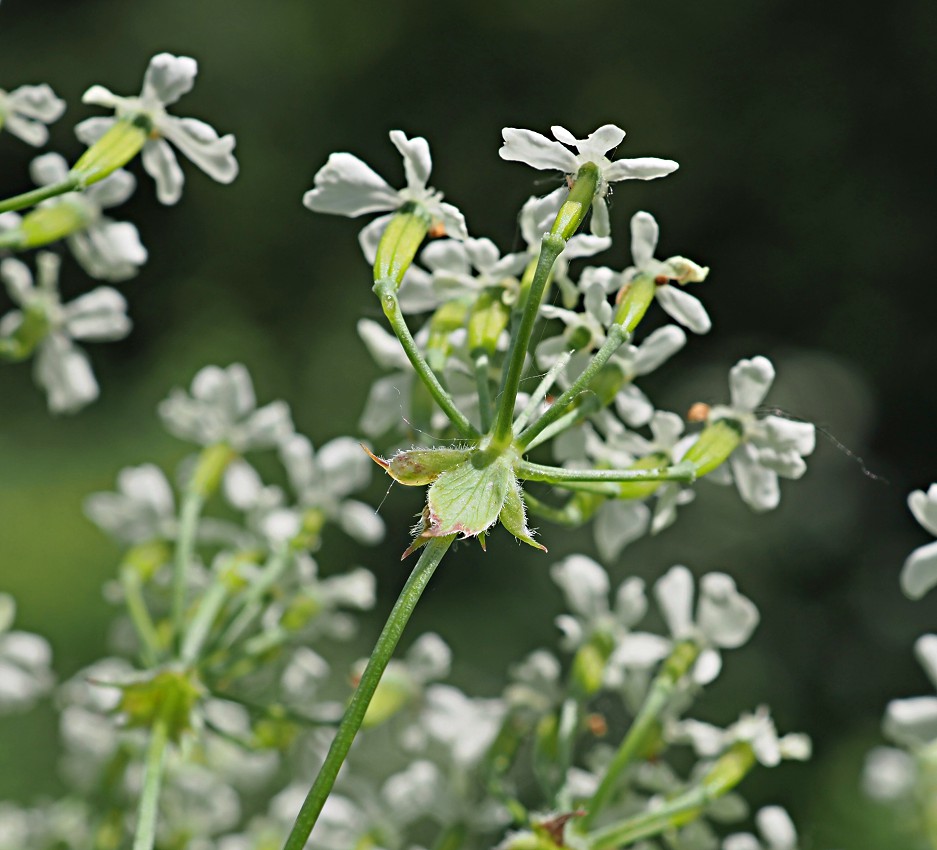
106,249
919,573
221,408
167,78
26,110
913,722
756,729
724,618
61,368
771,445
25,659
888,773
775,827
683,307
142,510
540,152
347,186
466,726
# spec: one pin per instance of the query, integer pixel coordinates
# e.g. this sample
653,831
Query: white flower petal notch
347,186
167,78
919,573
26,111
545,154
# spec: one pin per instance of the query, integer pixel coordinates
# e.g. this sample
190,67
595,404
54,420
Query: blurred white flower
221,408
61,368
107,249
775,828
167,78
919,573
888,773
25,663
913,722
141,510
542,153
26,110
347,186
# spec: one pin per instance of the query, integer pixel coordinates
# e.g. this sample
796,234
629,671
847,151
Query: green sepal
468,498
448,318
120,144
419,467
633,300
401,240
32,329
49,224
211,465
487,321
577,203
589,662
170,695
513,517
714,446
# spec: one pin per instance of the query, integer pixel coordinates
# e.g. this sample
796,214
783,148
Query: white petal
160,163
633,406
674,594
571,628
658,348
925,648
110,250
640,650
617,524
65,373
453,221
537,151
37,102
169,77
725,616
666,428
91,129
911,722
785,434
201,144
429,658
599,224
48,168
538,214
267,426
787,464
687,309
361,522
924,507
346,186
382,345
561,134
749,382
587,245
99,315
387,405
640,168
113,190
630,602
17,278
607,137
354,589
584,584
242,485
100,96
919,573
644,236
32,132
888,773
147,485
707,667
757,485
417,162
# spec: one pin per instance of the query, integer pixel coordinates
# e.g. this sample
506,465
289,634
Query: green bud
418,467
730,769
32,330
577,203
588,670
401,240
113,150
487,321
716,443
45,225
448,318
633,300
170,695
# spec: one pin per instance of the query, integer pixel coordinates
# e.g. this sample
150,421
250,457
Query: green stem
145,835
451,838
33,197
140,617
528,471
208,608
539,394
354,714
615,338
484,393
550,248
385,290
570,515
675,667
192,503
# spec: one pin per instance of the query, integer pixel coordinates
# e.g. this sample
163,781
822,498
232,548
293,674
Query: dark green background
806,182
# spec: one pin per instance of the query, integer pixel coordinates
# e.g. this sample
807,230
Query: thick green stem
528,471
192,503
550,248
30,199
386,290
678,663
354,714
145,834
616,338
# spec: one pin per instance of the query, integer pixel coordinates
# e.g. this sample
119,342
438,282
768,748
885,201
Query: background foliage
806,182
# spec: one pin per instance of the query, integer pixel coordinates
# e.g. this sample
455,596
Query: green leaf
468,498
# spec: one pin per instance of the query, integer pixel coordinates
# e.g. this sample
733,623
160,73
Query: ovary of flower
724,618
26,110
680,305
542,153
167,79
919,573
771,445
347,186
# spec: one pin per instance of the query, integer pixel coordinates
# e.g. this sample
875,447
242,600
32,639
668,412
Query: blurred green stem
31,198
192,503
145,834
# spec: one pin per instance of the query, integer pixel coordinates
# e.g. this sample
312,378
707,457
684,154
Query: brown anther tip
661,279
597,725
620,295
378,460
699,412
437,230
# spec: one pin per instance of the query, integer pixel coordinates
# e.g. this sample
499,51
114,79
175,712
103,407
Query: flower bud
50,224
418,467
487,321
